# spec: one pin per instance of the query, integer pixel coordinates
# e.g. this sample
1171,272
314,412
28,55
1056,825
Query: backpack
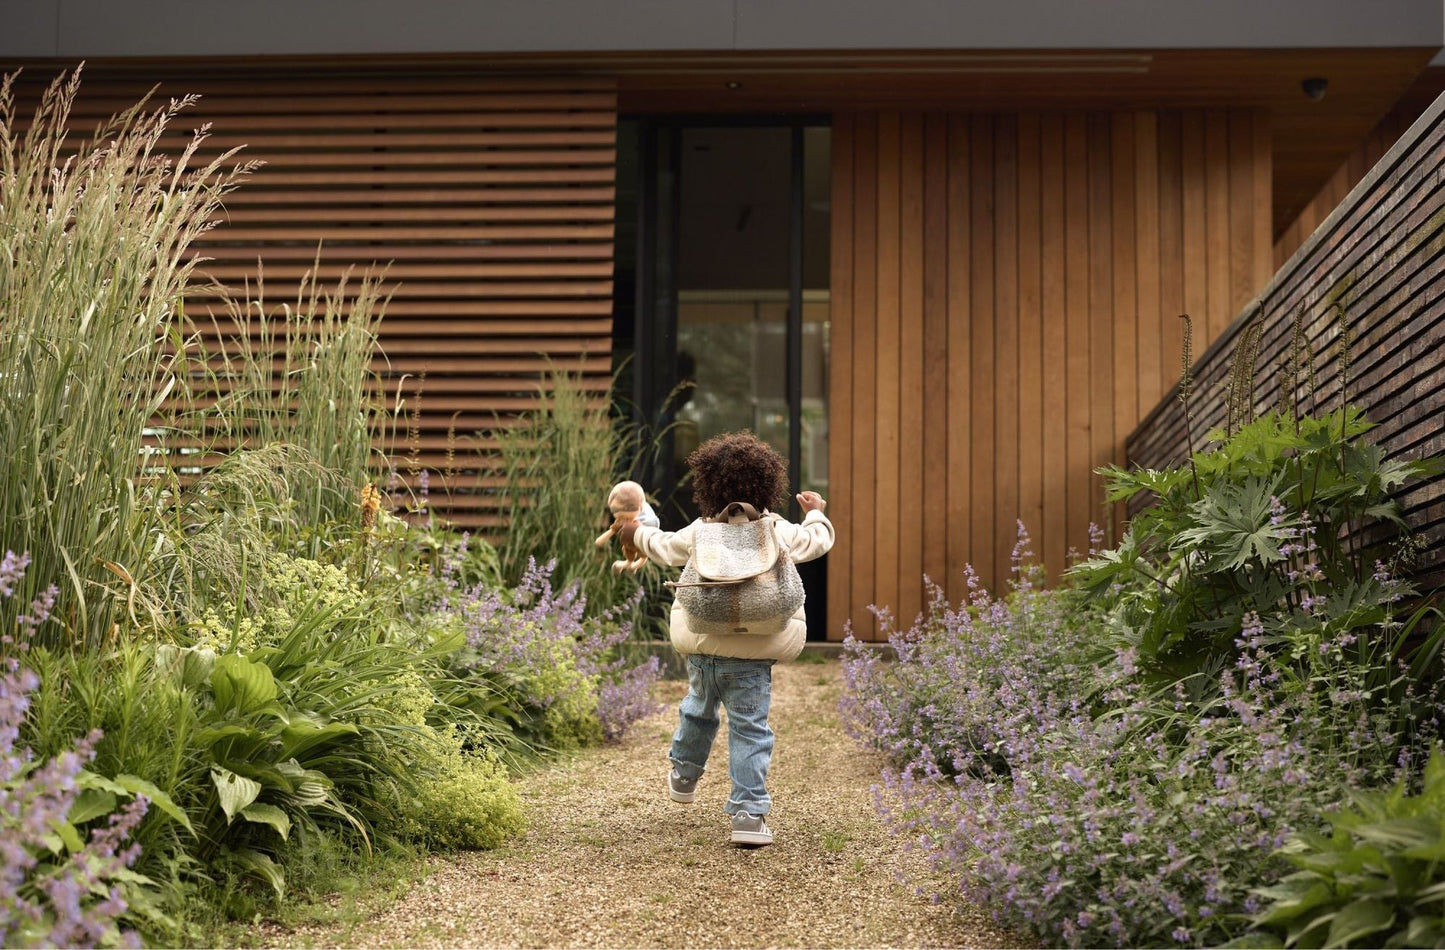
738,579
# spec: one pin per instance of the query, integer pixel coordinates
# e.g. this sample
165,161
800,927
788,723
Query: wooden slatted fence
1377,257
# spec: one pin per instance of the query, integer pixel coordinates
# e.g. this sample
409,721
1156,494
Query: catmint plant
55,888
564,661
1038,768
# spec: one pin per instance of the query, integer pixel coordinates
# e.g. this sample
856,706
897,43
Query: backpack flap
734,552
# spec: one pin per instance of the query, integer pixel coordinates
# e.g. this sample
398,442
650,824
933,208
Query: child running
731,664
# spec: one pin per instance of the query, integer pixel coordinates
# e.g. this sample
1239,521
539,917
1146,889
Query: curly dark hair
736,466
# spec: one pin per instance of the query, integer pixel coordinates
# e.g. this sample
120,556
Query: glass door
727,326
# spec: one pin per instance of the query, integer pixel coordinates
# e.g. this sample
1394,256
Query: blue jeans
745,690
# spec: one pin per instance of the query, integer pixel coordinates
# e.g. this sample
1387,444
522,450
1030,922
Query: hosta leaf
1255,941
1292,897
1359,919
198,665
242,685
209,736
194,664
1424,931
305,788
302,736
1432,893
91,803
136,785
69,837
263,867
235,791
1401,833
1308,932
263,814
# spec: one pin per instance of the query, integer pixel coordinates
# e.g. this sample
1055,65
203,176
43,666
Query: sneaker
681,789
751,830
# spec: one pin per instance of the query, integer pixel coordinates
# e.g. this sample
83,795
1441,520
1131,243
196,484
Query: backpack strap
738,512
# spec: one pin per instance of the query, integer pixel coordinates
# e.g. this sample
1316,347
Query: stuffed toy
627,503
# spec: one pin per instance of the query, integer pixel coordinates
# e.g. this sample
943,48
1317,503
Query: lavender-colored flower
1002,769
44,898
534,627
12,568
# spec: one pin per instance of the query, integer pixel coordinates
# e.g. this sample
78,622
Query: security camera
1314,88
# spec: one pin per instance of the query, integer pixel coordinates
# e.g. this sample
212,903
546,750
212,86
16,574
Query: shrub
1283,519
562,664
1377,881
1095,812
469,803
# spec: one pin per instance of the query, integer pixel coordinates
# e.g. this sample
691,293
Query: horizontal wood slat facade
490,201
1005,290
1378,256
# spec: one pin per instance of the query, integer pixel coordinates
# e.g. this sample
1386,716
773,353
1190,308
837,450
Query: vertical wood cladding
996,343
1378,257
489,201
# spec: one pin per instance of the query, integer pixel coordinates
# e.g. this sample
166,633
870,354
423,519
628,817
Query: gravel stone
610,861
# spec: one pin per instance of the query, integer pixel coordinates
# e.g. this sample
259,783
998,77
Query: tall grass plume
95,253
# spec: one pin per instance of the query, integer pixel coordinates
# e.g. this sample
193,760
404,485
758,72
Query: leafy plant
1282,520
1378,880
1050,786
561,667
58,885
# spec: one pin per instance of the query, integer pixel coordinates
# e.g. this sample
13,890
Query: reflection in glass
735,202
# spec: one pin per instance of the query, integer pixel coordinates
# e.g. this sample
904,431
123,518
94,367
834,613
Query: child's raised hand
811,501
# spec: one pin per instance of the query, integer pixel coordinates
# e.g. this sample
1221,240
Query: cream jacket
803,542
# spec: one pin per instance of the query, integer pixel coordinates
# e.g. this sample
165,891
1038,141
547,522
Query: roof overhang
92,29
789,56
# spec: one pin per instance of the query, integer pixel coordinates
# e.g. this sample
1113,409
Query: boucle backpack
738,579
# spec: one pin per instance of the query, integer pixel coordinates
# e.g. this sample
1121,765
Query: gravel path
609,861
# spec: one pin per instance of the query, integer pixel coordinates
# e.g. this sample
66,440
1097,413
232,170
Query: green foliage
266,651
1283,519
1377,881
559,461
470,803
93,265
300,375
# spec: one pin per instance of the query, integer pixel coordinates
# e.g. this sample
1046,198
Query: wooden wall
1006,291
1378,255
489,200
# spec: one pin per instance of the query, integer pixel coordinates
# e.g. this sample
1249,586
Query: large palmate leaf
1235,526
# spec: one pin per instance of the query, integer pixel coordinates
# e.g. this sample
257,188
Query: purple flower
35,885
1093,811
